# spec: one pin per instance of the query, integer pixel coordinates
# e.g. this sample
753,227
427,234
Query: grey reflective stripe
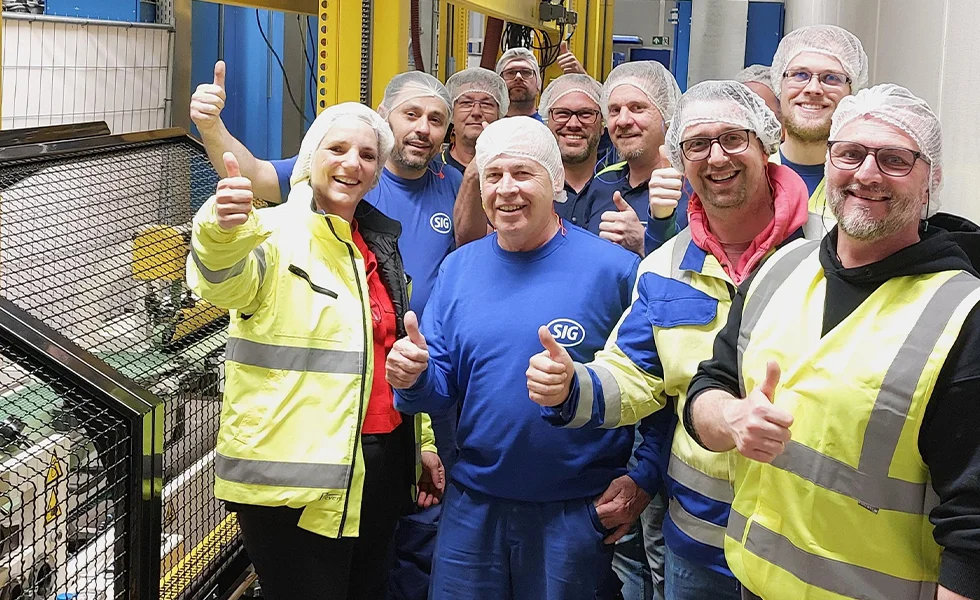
260,261
293,358
815,227
869,483
697,529
284,474
736,525
681,243
832,575
710,487
222,275
583,412
613,414
761,294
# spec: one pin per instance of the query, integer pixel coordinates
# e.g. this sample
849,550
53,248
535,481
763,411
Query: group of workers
449,373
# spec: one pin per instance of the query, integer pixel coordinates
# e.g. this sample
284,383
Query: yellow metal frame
338,53
389,45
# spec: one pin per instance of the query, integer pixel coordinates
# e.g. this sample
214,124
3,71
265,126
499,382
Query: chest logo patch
441,222
567,332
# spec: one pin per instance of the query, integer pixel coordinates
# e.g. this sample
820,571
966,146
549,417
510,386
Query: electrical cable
282,68
311,81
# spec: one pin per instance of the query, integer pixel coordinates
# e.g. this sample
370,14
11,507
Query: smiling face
868,204
576,141
419,126
344,167
518,197
726,181
807,109
635,125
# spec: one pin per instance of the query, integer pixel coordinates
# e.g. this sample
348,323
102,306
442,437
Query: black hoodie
949,439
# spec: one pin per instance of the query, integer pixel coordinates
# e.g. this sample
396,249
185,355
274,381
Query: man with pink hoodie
743,208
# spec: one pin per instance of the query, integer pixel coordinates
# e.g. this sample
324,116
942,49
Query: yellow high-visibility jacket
299,359
844,511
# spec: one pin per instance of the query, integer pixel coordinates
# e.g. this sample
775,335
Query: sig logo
441,222
567,332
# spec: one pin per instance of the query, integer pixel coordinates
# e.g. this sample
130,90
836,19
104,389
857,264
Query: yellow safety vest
843,512
298,364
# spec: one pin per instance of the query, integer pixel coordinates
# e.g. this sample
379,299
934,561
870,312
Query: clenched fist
233,200
665,187
622,226
550,373
408,357
759,429
208,100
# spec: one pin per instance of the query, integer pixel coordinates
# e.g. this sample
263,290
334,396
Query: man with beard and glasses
479,97
570,105
742,209
813,70
521,72
846,380
637,102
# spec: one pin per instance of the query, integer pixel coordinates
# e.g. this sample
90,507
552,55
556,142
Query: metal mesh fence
93,244
65,487
59,70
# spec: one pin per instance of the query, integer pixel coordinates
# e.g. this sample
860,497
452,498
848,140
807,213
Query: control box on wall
136,11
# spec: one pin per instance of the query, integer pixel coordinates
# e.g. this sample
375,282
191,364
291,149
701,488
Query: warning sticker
54,509
169,514
55,470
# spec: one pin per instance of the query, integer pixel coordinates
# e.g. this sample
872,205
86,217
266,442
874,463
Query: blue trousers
690,581
489,548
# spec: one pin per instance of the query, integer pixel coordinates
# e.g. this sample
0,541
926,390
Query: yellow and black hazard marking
169,514
55,470
54,508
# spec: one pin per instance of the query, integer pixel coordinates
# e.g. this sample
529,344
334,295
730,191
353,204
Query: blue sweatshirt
481,329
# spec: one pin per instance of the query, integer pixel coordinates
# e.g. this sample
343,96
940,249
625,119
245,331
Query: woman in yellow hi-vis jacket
311,454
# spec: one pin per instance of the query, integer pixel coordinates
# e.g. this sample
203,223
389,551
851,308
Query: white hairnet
722,102
519,54
829,40
756,74
483,80
898,107
326,120
648,76
567,84
410,85
522,137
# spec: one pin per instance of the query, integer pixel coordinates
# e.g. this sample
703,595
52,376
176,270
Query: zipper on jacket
316,288
360,406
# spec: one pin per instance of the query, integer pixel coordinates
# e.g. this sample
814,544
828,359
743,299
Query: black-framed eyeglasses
586,116
511,74
801,77
468,105
894,161
731,142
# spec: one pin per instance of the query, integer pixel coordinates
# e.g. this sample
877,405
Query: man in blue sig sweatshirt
519,516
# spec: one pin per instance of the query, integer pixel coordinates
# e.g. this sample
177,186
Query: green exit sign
660,40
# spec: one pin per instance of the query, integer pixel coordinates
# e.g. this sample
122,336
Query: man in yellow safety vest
847,379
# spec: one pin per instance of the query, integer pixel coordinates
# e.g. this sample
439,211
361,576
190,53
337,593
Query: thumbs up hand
567,60
408,357
208,100
550,372
622,226
233,199
665,187
760,429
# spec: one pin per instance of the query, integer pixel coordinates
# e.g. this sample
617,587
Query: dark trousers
294,564
747,595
